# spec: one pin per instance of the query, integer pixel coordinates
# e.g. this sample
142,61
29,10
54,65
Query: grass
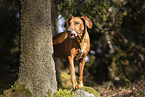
66,79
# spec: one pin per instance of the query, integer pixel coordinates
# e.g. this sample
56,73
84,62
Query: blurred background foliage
9,42
117,51
117,37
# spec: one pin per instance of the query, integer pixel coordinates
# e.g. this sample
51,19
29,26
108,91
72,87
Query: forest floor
108,89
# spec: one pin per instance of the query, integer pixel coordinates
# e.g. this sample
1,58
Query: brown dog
74,44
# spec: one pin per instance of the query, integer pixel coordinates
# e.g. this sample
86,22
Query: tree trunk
37,70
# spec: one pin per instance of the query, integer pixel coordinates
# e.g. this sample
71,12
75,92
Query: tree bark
37,70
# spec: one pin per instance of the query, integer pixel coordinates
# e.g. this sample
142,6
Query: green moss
18,90
64,93
67,93
90,90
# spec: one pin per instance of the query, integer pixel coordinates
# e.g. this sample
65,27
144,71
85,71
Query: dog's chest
84,44
83,49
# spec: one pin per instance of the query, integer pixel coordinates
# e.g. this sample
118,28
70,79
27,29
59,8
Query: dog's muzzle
72,34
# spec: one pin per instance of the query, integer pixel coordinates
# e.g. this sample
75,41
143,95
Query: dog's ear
66,24
87,22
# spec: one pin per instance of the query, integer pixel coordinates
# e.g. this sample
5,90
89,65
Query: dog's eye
77,23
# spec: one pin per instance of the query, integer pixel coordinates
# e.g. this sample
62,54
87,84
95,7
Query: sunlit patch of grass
66,80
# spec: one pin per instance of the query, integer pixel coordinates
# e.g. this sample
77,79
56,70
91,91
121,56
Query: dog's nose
69,31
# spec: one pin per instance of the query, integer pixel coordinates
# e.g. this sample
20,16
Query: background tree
55,30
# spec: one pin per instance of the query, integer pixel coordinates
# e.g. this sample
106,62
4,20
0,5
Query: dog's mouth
72,34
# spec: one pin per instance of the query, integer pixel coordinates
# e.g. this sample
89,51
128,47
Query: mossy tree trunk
37,70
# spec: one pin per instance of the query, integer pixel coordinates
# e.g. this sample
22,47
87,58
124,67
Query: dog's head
77,25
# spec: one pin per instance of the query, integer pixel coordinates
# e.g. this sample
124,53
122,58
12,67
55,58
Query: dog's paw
75,87
81,85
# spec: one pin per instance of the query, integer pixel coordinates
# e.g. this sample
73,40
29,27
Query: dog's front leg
72,70
81,68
